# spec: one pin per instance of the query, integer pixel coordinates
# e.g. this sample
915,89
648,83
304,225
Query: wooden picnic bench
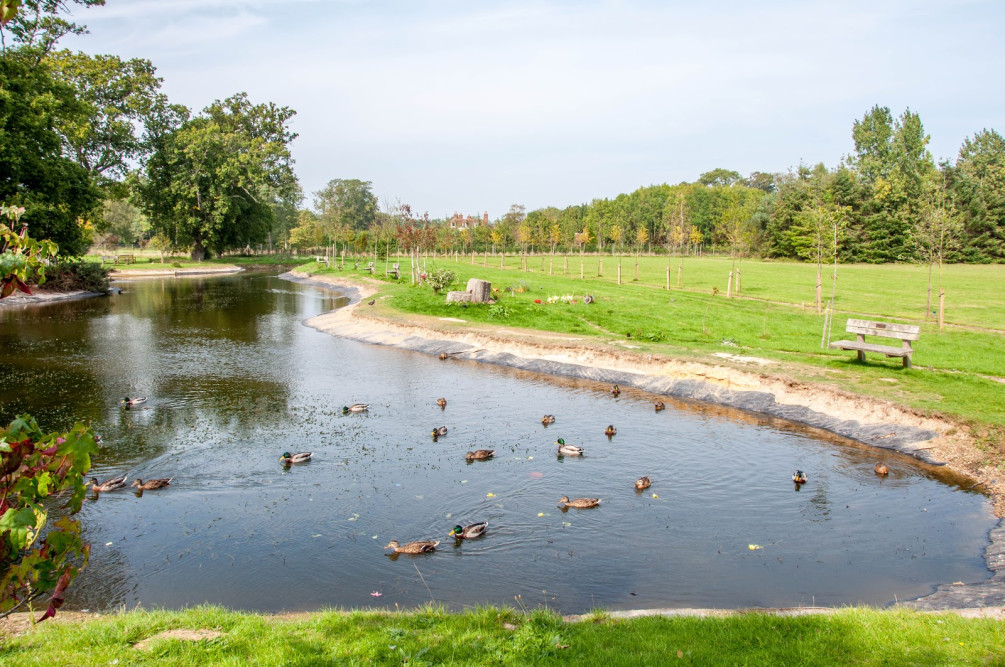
862,328
125,259
394,271
369,267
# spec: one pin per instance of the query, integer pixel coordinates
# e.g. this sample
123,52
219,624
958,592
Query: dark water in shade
234,379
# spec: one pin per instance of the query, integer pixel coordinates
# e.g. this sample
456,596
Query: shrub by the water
69,275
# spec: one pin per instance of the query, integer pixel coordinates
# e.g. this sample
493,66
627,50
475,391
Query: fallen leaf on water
754,547
958,583
376,594
540,513
449,514
655,496
108,544
318,535
490,495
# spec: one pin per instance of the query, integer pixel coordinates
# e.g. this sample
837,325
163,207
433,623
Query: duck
643,483
108,485
417,547
151,484
568,450
444,356
355,407
437,432
442,402
799,477
299,457
479,455
130,402
615,390
470,531
548,419
610,431
371,302
581,503
882,470
660,405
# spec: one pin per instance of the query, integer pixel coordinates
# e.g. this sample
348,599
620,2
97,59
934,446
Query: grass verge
505,636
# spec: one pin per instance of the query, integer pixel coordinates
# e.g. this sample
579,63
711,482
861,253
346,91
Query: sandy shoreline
730,383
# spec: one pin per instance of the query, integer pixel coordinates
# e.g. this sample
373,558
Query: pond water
234,379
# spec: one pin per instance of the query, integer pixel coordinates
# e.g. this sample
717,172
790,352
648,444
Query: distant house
467,222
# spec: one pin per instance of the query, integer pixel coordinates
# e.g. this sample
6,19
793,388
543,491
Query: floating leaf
540,513
754,547
655,496
490,495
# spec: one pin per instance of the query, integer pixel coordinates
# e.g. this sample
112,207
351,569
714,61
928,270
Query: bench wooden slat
888,350
884,329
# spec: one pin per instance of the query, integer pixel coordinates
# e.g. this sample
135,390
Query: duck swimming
548,419
660,405
799,477
355,407
610,431
470,531
882,470
108,485
417,547
300,457
442,402
568,450
437,432
151,484
643,483
479,455
615,390
130,402
581,503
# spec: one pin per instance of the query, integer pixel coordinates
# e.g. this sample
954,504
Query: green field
958,371
506,636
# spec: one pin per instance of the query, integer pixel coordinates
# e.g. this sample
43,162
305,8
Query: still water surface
234,379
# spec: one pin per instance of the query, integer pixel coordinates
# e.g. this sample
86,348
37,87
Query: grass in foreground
504,636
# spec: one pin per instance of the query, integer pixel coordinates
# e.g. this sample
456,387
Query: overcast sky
470,106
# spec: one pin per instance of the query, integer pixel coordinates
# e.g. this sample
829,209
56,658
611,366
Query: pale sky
471,106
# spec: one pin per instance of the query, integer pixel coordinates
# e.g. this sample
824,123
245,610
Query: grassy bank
958,371
504,636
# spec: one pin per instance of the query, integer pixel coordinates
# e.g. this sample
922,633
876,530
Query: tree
936,232
345,204
720,178
57,193
211,181
119,98
38,24
977,189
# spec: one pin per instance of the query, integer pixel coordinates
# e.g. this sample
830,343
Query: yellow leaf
754,547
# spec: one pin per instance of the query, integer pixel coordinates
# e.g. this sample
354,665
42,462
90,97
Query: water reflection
234,379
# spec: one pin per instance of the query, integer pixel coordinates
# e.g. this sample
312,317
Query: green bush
441,279
68,275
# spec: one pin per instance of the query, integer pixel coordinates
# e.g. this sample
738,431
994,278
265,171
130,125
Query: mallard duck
355,407
643,483
615,390
799,477
418,547
568,450
130,402
299,457
108,485
610,431
581,503
444,356
479,454
470,531
371,302
151,484
882,470
660,405
548,419
442,402
437,432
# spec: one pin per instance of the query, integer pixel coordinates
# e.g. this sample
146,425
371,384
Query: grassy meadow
958,371
433,636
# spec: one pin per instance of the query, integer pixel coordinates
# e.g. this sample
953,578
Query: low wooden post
668,277
582,268
551,265
485,262
600,268
502,260
729,286
565,270
619,274
680,271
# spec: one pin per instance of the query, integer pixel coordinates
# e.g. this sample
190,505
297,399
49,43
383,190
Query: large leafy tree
57,192
211,181
120,98
345,206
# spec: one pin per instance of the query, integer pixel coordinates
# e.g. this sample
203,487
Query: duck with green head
300,457
470,531
568,450
355,407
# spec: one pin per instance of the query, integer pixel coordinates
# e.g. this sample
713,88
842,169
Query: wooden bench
394,271
322,260
125,259
904,332
369,267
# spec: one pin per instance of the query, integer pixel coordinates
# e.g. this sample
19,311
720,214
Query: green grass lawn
433,636
958,370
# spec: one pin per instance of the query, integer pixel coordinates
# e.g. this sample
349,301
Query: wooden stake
942,307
